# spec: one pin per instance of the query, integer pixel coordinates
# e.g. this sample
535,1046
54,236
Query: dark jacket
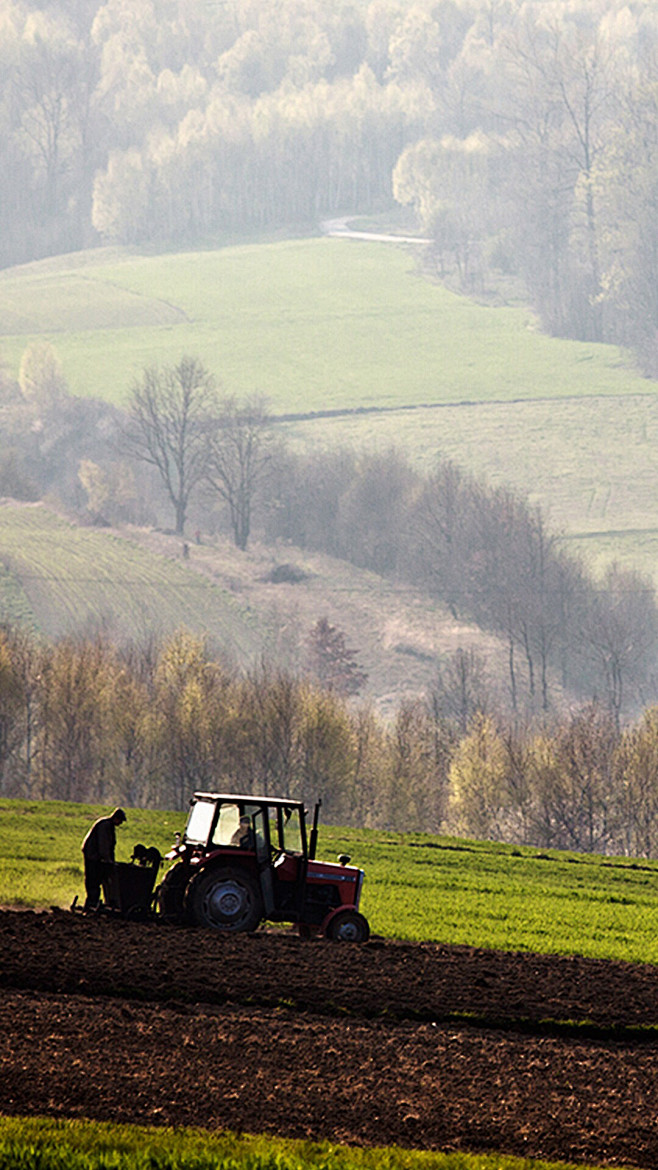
100,842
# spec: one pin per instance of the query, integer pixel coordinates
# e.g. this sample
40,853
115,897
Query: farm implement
241,861
128,888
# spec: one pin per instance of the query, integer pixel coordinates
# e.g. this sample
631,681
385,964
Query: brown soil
422,1046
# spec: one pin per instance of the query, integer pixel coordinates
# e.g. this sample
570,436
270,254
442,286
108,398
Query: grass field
314,324
506,898
419,888
64,578
42,1144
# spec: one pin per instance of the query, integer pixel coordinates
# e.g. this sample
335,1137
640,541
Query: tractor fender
324,928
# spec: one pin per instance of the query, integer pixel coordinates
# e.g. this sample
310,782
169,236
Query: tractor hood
347,878
331,871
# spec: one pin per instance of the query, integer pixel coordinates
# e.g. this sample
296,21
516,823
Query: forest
523,135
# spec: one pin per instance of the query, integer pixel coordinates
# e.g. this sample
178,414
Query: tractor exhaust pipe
313,843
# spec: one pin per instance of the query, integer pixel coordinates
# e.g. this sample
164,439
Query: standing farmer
97,848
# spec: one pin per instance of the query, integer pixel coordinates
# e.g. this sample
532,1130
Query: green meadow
42,1144
418,888
60,577
315,324
503,897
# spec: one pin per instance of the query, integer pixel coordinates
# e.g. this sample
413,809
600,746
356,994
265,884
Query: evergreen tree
332,661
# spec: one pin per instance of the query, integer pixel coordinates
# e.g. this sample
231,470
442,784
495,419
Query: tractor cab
244,859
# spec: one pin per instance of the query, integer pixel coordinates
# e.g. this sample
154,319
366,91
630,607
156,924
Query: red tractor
247,859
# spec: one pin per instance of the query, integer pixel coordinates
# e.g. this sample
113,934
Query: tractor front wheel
227,900
348,926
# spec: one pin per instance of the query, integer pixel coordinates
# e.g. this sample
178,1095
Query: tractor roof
246,798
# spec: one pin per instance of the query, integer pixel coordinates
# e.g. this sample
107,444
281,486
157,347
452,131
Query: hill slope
350,327
72,578
64,578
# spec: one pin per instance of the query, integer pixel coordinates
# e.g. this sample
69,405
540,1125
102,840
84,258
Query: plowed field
417,1045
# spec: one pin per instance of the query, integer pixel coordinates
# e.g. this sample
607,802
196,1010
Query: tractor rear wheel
227,900
348,926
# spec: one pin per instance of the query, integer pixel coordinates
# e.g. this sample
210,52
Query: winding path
340,227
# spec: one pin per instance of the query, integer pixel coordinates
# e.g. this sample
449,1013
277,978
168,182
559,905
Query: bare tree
239,450
437,533
564,82
461,689
574,780
373,509
42,85
171,410
619,636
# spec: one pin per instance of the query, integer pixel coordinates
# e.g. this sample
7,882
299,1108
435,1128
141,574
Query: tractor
243,860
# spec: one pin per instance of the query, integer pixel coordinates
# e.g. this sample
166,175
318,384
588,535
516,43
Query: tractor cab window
199,822
228,824
291,837
235,826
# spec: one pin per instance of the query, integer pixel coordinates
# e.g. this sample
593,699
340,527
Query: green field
419,888
41,1144
63,578
315,324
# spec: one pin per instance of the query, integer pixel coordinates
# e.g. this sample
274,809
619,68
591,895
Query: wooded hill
523,136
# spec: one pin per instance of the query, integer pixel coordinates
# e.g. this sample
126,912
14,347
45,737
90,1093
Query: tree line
488,556
523,135
83,719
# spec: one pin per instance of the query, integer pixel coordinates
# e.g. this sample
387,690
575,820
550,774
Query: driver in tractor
243,836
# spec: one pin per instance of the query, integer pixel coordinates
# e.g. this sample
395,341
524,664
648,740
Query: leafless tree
171,410
374,509
238,455
620,635
437,534
461,689
576,788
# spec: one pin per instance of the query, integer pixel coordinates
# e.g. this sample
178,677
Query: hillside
589,462
62,578
351,329
398,633
69,577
